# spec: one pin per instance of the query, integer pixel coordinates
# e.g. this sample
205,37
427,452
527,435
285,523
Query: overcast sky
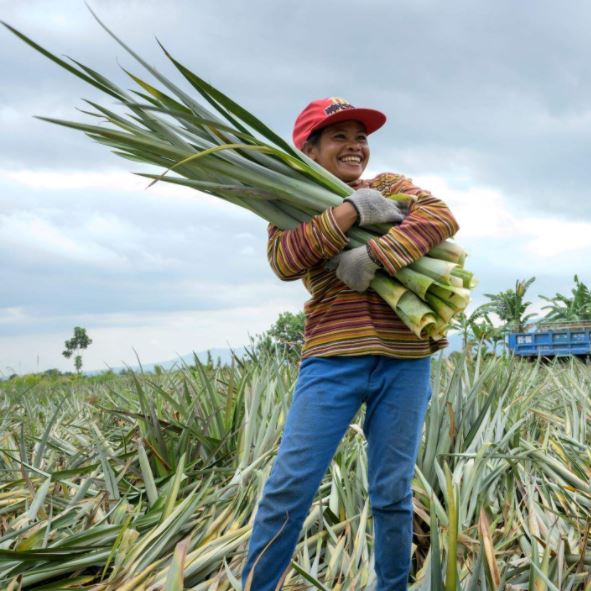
488,106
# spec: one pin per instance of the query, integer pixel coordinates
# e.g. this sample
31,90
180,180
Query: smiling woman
356,348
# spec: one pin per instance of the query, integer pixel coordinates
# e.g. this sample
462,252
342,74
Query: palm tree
565,309
510,307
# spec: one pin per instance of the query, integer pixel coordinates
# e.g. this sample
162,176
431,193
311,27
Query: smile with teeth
351,159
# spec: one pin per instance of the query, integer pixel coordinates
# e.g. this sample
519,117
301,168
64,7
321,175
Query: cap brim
372,120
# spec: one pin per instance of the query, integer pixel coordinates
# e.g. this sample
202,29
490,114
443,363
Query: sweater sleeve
292,253
428,223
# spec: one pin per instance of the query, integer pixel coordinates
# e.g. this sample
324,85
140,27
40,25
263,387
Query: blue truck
553,339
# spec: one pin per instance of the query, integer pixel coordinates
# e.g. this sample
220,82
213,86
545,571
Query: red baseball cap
323,112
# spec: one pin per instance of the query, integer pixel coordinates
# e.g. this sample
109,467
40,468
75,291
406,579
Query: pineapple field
150,480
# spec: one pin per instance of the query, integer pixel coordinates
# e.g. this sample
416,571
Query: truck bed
553,340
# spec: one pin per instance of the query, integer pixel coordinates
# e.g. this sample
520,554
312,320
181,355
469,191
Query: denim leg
328,393
399,393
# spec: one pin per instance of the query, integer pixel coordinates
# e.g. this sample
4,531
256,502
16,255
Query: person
356,350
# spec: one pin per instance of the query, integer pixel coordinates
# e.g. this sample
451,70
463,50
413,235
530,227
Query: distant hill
223,354
225,357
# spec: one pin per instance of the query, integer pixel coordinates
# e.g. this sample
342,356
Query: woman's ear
310,150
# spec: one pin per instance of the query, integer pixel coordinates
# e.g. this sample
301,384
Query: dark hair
314,137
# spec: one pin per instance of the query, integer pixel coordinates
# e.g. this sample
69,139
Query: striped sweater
340,321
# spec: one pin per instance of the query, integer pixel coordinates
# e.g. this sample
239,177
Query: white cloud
484,212
75,180
549,237
108,227
102,240
9,115
13,315
110,181
480,211
29,234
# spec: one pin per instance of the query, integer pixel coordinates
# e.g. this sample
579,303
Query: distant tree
288,331
286,334
52,373
79,342
565,309
510,305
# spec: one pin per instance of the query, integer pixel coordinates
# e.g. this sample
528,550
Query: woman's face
342,149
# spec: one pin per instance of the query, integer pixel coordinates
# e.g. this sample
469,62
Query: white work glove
373,208
354,268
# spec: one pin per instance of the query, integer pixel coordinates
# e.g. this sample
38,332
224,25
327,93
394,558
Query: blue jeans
328,394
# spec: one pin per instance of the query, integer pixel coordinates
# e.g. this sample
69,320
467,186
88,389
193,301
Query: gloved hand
354,268
374,208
